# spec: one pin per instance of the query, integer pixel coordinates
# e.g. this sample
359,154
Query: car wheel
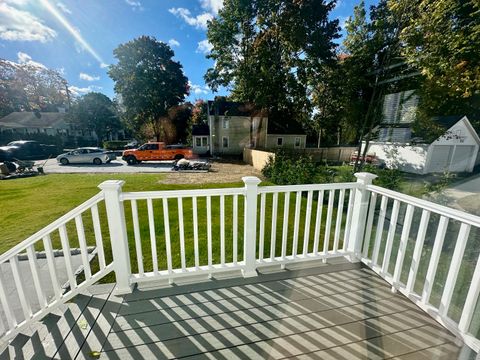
97,161
178,157
131,160
64,161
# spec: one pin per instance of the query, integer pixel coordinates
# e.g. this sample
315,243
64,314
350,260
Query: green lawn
29,204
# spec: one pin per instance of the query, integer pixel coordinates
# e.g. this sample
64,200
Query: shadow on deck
338,311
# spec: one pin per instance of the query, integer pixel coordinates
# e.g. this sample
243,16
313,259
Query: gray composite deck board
337,311
274,317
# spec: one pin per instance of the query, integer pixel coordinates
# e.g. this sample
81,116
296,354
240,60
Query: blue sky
78,37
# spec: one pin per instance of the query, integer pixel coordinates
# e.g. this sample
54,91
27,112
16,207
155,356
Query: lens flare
74,32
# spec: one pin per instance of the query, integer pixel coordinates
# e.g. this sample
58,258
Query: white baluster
308,215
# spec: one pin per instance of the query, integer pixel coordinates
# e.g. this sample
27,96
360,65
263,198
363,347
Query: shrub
285,170
387,178
115,144
439,186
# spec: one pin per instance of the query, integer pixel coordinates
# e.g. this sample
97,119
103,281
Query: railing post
359,215
118,235
250,223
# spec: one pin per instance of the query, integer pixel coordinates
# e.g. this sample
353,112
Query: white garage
455,151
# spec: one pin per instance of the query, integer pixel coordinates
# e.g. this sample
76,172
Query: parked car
86,155
131,145
27,150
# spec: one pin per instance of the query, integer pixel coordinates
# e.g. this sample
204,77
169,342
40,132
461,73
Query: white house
457,150
50,123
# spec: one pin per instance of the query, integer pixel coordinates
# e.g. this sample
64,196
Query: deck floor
327,312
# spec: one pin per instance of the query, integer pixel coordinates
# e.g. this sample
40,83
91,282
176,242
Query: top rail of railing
428,205
307,187
141,195
17,249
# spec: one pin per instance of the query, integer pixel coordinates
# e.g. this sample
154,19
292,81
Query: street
116,166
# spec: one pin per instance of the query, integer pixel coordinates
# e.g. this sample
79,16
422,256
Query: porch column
118,235
359,215
250,231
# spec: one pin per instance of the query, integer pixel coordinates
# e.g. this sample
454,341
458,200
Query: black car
27,150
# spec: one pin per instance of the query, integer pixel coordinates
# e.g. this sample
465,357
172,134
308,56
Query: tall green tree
442,40
95,112
267,51
148,81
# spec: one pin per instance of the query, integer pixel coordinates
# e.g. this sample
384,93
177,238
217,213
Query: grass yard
29,204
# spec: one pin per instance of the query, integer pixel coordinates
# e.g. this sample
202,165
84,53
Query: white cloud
213,6
204,46
136,5
198,89
24,58
78,91
173,42
199,21
19,25
64,8
86,77
103,65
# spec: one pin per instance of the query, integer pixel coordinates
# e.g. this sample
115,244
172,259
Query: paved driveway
116,166
466,195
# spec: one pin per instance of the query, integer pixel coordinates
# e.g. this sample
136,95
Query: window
225,141
280,141
297,142
226,123
201,141
148,147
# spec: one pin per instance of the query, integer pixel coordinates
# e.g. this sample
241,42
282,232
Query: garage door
462,157
440,158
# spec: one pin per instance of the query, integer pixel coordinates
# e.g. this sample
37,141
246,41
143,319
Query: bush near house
288,170
115,144
284,169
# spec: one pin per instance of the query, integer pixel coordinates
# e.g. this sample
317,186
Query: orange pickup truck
154,151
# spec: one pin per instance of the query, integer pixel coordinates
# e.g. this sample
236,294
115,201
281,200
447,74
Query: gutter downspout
210,128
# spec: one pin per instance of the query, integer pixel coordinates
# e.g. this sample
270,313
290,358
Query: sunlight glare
74,32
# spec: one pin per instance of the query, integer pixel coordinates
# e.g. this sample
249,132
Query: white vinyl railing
426,251
21,304
170,242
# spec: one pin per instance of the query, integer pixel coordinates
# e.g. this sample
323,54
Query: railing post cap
251,180
365,177
111,185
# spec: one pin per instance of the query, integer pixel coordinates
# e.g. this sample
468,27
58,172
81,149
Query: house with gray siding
233,126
